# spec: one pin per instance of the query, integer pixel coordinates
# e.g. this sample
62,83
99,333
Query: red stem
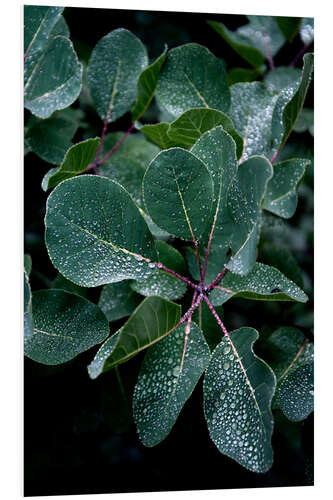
216,316
299,55
187,331
217,279
176,275
101,142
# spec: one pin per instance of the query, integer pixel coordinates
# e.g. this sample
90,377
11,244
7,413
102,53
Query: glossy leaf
64,326
307,30
129,162
290,355
178,193
261,283
95,234
48,85
281,77
192,77
152,320
281,196
50,139
76,161
289,26
162,283
146,86
162,389
28,319
114,69
289,105
252,106
158,134
238,390
118,300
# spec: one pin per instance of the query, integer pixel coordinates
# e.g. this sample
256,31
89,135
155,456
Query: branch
176,275
217,279
216,316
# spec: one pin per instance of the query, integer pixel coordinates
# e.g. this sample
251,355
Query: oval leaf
162,390
95,234
113,71
64,326
238,390
152,320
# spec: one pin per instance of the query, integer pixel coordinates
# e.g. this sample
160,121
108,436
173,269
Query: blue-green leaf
95,233
118,300
114,69
162,389
238,390
64,326
152,320
281,77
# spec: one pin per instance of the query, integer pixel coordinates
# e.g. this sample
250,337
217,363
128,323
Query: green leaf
307,30
261,283
305,121
238,390
114,69
118,300
178,193
152,320
48,85
76,161
192,77
146,86
28,319
289,26
281,196
283,260
208,324
162,389
192,124
50,139
236,75
64,326
289,105
215,263
61,283
95,234
251,111
162,283
27,263
290,355
281,77
129,162
158,134
256,41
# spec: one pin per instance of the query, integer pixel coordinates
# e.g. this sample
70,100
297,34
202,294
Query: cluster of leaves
166,209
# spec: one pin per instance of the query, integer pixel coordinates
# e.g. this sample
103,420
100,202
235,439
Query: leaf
129,162
283,260
238,390
152,320
192,124
95,233
215,263
307,30
162,283
281,196
178,193
162,390
76,161
236,75
305,121
289,26
118,300
27,263
289,105
192,77
261,283
281,77
48,85
256,41
208,324
51,138
61,283
28,319
114,69
290,355
64,326
251,111
158,134
146,86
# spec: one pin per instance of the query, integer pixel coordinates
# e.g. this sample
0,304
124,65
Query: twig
176,275
217,279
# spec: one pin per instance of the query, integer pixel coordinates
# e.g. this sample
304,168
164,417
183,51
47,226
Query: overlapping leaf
261,283
48,85
178,193
281,77
151,321
162,389
290,355
238,390
64,326
282,259
118,300
76,161
192,77
95,234
114,69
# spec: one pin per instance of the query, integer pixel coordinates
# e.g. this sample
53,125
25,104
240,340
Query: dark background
79,437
